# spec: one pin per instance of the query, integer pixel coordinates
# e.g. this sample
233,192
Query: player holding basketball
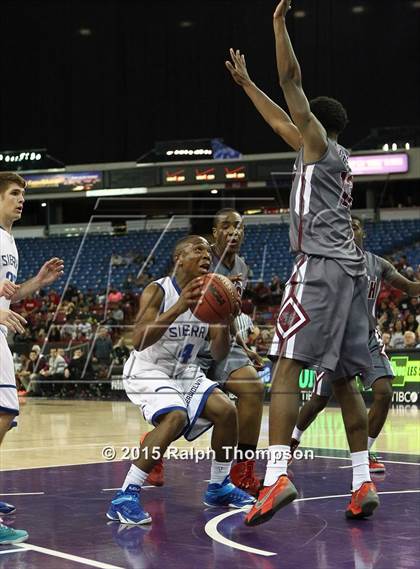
12,197
323,318
236,373
162,377
379,377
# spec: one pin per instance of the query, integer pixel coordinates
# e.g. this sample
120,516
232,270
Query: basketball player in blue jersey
163,378
12,198
379,377
323,318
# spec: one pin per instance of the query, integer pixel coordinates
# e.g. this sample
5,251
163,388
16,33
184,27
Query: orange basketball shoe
155,477
363,502
242,474
270,499
375,467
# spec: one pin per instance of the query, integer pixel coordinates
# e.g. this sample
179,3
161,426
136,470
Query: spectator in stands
103,347
411,323
30,377
386,339
129,282
54,335
115,296
54,372
78,370
117,315
413,305
30,304
397,340
120,352
261,293
410,341
53,297
68,330
276,289
84,328
117,260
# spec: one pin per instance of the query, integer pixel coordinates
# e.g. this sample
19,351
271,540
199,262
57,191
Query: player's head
358,230
331,114
228,230
12,196
191,256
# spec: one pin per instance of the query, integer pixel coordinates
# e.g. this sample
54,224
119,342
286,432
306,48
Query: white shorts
156,393
9,402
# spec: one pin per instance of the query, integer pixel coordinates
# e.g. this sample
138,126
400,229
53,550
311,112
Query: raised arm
150,324
274,115
314,136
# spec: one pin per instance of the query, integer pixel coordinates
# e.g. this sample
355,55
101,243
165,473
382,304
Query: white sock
297,434
278,455
219,471
360,464
134,476
371,442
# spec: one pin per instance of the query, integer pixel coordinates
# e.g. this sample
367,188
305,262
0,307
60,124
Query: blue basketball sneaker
126,508
228,495
10,536
6,509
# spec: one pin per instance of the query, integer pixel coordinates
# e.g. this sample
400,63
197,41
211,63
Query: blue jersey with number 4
9,261
179,345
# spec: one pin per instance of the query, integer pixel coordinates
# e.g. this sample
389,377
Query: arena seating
265,248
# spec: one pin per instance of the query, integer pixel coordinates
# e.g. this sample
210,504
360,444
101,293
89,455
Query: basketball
219,300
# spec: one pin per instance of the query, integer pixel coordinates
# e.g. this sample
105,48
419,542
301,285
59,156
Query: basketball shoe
271,499
374,465
156,475
243,476
10,536
126,508
6,509
226,494
363,502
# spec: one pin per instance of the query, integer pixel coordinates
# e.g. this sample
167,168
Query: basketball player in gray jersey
236,373
323,318
380,375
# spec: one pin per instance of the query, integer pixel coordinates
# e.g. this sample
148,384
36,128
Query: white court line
61,465
211,526
3,551
119,488
23,494
75,558
349,466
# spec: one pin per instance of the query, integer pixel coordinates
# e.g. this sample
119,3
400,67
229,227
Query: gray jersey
378,270
320,202
239,267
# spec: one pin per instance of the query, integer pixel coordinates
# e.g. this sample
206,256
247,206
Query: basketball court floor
63,464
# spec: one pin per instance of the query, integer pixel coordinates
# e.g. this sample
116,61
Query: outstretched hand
238,68
50,271
282,9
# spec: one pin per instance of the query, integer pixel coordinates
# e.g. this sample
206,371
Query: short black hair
330,113
180,244
221,212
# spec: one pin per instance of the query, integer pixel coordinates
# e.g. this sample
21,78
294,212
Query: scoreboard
192,174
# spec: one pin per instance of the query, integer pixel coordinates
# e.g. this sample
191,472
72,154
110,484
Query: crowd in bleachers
74,346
